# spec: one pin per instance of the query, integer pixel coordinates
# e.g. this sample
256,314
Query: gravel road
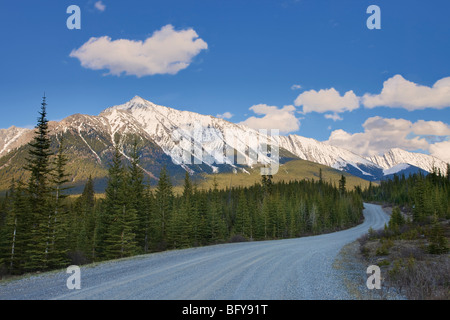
300,268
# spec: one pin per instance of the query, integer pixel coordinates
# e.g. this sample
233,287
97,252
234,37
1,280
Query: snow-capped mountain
170,136
180,132
12,138
396,157
161,122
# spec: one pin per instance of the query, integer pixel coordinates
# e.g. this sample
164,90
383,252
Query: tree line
424,196
41,228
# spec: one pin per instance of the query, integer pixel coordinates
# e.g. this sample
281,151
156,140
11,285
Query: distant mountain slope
291,170
337,158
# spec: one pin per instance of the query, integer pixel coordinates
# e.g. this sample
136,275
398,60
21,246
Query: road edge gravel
351,266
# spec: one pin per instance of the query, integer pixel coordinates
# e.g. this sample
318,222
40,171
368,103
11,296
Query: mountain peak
138,99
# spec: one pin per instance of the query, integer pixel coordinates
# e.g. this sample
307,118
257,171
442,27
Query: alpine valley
90,141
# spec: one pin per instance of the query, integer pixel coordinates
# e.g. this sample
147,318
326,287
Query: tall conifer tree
39,189
164,205
58,222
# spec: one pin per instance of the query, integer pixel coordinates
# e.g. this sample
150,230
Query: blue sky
309,67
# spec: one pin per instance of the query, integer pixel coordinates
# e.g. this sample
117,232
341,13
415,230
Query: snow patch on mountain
10,139
395,169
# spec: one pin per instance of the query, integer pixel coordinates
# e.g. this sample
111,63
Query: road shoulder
352,267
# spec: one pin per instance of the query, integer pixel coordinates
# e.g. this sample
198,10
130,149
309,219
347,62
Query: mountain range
169,137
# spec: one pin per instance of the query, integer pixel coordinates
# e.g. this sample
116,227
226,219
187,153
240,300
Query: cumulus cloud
283,119
296,87
225,115
381,134
167,51
326,100
441,150
398,92
435,128
333,116
100,6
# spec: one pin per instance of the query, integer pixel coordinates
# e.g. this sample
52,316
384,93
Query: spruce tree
164,204
242,223
216,222
16,235
111,207
121,217
85,206
136,196
342,182
58,222
39,189
419,210
438,241
396,220
146,220
179,228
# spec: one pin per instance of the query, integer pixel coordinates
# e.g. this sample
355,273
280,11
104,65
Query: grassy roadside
414,258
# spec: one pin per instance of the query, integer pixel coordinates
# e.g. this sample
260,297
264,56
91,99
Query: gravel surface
301,268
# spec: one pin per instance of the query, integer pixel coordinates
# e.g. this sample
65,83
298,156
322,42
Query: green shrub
383,250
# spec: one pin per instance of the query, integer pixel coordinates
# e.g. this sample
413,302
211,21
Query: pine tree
187,207
242,224
267,184
200,217
111,208
121,217
136,196
419,211
39,189
438,241
85,207
396,220
15,234
216,220
179,228
146,220
58,222
342,182
164,205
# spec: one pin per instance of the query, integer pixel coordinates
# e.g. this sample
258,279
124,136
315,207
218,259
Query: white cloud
381,134
100,6
225,115
441,150
326,100
333,116
435,128
296,87
273,118
167,51
400,93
